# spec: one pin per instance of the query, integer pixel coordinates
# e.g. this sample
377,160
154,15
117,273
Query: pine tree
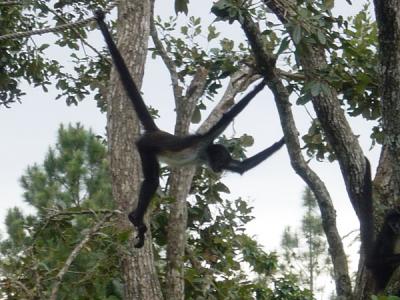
305,253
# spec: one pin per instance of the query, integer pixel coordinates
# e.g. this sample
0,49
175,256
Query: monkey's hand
140,227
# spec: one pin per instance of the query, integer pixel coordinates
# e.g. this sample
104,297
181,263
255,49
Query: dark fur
382,251
155,142
385,256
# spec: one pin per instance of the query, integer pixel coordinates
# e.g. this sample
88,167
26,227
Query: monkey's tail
125,76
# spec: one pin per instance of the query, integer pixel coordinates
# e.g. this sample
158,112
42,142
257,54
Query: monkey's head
392,219
218,157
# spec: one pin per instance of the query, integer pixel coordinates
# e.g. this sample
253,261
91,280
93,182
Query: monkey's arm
125,76
227,117
249,163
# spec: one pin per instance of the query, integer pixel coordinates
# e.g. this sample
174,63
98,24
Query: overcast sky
28,129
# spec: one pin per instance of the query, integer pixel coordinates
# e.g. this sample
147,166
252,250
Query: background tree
69,248
68,239
305,253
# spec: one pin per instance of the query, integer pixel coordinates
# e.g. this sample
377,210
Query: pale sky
28,129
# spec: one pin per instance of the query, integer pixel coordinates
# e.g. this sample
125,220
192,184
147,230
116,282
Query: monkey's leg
149,186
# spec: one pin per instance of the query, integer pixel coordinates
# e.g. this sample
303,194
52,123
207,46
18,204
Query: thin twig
240,81
83,212
291,76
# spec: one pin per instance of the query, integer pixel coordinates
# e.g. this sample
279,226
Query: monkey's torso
174,150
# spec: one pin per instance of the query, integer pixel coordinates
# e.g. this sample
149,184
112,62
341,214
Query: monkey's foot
140,227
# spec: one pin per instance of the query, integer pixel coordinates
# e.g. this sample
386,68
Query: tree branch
333,121
164,56
187,104
19,285
56,214
74,254
328,213
290,76
181,179
239,82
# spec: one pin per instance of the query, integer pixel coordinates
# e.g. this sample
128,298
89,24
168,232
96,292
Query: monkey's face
218,157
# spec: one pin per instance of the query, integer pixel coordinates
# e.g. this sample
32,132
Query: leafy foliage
193,46
385,298
25,60
352,59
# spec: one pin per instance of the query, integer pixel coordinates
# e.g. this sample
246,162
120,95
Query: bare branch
56,214
11,3
185,106
290,76
239,82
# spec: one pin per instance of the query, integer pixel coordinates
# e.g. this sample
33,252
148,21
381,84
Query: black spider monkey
386,251
156,144
383,252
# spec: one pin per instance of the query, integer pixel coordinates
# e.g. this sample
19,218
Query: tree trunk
181,180
387,180
139,274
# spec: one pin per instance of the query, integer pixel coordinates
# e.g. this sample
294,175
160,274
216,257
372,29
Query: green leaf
212,34
325,88
184,30
329,4
44,46
284,45
315,88
321,37
303,99
223,188
247,140
196,117
297,34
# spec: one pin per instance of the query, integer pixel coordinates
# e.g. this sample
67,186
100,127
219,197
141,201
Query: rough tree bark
388,19
181,179
139,274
